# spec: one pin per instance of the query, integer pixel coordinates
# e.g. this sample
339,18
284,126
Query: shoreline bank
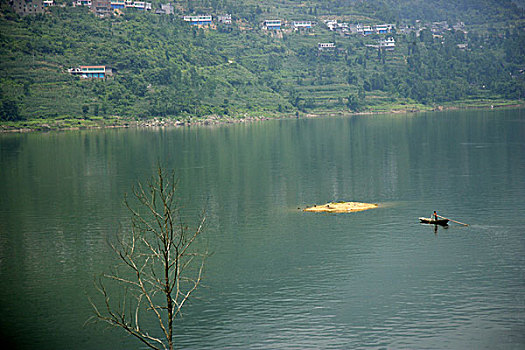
91,123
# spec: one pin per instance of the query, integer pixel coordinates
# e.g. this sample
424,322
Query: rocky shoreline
117,122
157,122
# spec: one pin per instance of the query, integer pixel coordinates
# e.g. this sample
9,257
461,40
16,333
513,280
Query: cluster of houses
206,20
269,24
387,44
99,7
107,7
437,28
344,28
277,24
120,4
443,26
332,25
116,4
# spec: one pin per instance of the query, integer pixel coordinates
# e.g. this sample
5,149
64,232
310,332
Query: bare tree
159,267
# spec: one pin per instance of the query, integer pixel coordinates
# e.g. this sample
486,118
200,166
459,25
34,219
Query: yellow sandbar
341,207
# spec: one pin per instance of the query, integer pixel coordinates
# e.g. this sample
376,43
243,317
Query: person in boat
435,216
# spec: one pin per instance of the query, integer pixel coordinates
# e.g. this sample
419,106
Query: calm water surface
280,278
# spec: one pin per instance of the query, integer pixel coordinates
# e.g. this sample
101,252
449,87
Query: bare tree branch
160,269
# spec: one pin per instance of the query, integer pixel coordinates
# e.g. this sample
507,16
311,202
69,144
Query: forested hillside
163,66
469,11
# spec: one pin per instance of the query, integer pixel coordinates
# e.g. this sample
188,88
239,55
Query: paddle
457,222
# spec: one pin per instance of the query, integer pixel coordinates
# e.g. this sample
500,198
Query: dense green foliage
471,11
165,67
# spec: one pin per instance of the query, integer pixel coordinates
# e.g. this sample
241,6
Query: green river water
280,278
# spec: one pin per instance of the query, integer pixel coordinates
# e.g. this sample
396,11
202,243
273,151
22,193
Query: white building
369,29
387,44
140,5
225,19
302,25
335,26
272,24
325,46
200,20
331,24
383,28
83,3
97,72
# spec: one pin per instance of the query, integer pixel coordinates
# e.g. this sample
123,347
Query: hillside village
105,8
152,59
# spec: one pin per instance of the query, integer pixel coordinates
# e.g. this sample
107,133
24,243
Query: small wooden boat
442,222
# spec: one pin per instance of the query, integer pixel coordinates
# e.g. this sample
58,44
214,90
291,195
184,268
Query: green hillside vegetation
164,67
